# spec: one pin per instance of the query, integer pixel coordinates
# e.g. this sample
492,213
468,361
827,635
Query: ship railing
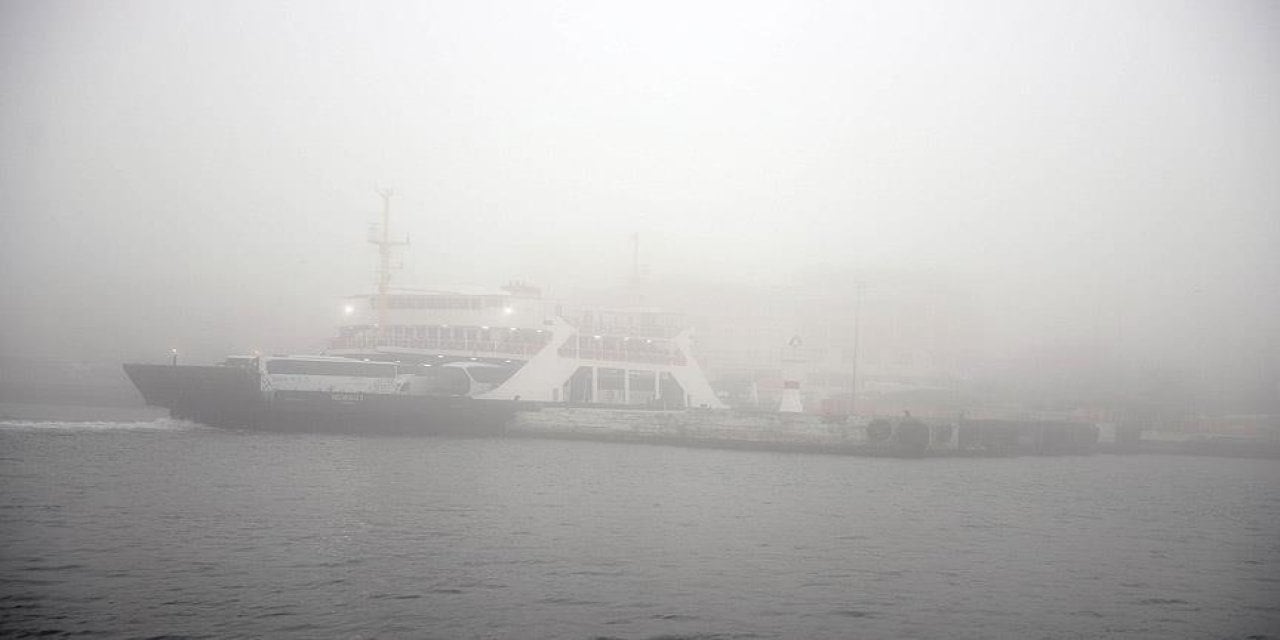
490,346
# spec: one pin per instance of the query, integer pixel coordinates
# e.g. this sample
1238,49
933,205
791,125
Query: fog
926,259
202,174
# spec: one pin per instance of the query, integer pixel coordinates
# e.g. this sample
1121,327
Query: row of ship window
441,302
436,332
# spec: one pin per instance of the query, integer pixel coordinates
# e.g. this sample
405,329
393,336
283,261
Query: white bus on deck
328,374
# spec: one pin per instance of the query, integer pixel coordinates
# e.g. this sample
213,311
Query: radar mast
385,244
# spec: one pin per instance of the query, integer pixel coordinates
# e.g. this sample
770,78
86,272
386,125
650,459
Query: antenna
637,273
635,258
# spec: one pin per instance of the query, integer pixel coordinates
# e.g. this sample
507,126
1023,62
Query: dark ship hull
232,397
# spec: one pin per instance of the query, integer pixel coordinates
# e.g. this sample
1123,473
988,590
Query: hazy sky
205,171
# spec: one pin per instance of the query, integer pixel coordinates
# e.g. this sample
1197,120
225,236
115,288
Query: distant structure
792,369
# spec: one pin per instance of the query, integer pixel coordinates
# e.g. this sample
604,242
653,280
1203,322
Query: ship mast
385,244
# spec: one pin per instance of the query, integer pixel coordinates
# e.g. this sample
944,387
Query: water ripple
128,531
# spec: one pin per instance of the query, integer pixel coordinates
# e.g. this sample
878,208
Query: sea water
164,528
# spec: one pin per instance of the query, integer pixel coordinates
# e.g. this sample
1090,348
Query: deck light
349,309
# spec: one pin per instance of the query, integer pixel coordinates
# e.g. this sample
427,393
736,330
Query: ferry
445,360
448,361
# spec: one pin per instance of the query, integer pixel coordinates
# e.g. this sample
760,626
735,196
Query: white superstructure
515,344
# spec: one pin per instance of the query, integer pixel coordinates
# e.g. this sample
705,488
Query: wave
159,424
